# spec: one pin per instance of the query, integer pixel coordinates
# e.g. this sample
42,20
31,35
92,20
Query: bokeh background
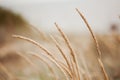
16,61
43,13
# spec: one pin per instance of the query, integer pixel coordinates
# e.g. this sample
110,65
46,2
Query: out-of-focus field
28,67
27,53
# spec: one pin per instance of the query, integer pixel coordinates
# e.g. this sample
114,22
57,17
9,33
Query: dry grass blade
51,57
28,60
61,51
35,43
88,26
49,66
42,35
71,51
86,73
73,69
103,70
67,42
8,75
38,56
96,43
66,70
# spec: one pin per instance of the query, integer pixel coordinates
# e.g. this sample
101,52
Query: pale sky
43,13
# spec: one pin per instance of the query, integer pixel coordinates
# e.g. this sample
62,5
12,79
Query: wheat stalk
103,69
50,56
72,53
62,53
62,68
89,28
96,43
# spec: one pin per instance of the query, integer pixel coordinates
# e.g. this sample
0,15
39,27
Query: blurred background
43,13
16,61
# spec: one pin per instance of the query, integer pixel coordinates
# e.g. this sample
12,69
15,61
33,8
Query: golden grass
45,62
62,53
50,56
91,32
103,70
96,43
5,74
72,53
27,60
71,70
